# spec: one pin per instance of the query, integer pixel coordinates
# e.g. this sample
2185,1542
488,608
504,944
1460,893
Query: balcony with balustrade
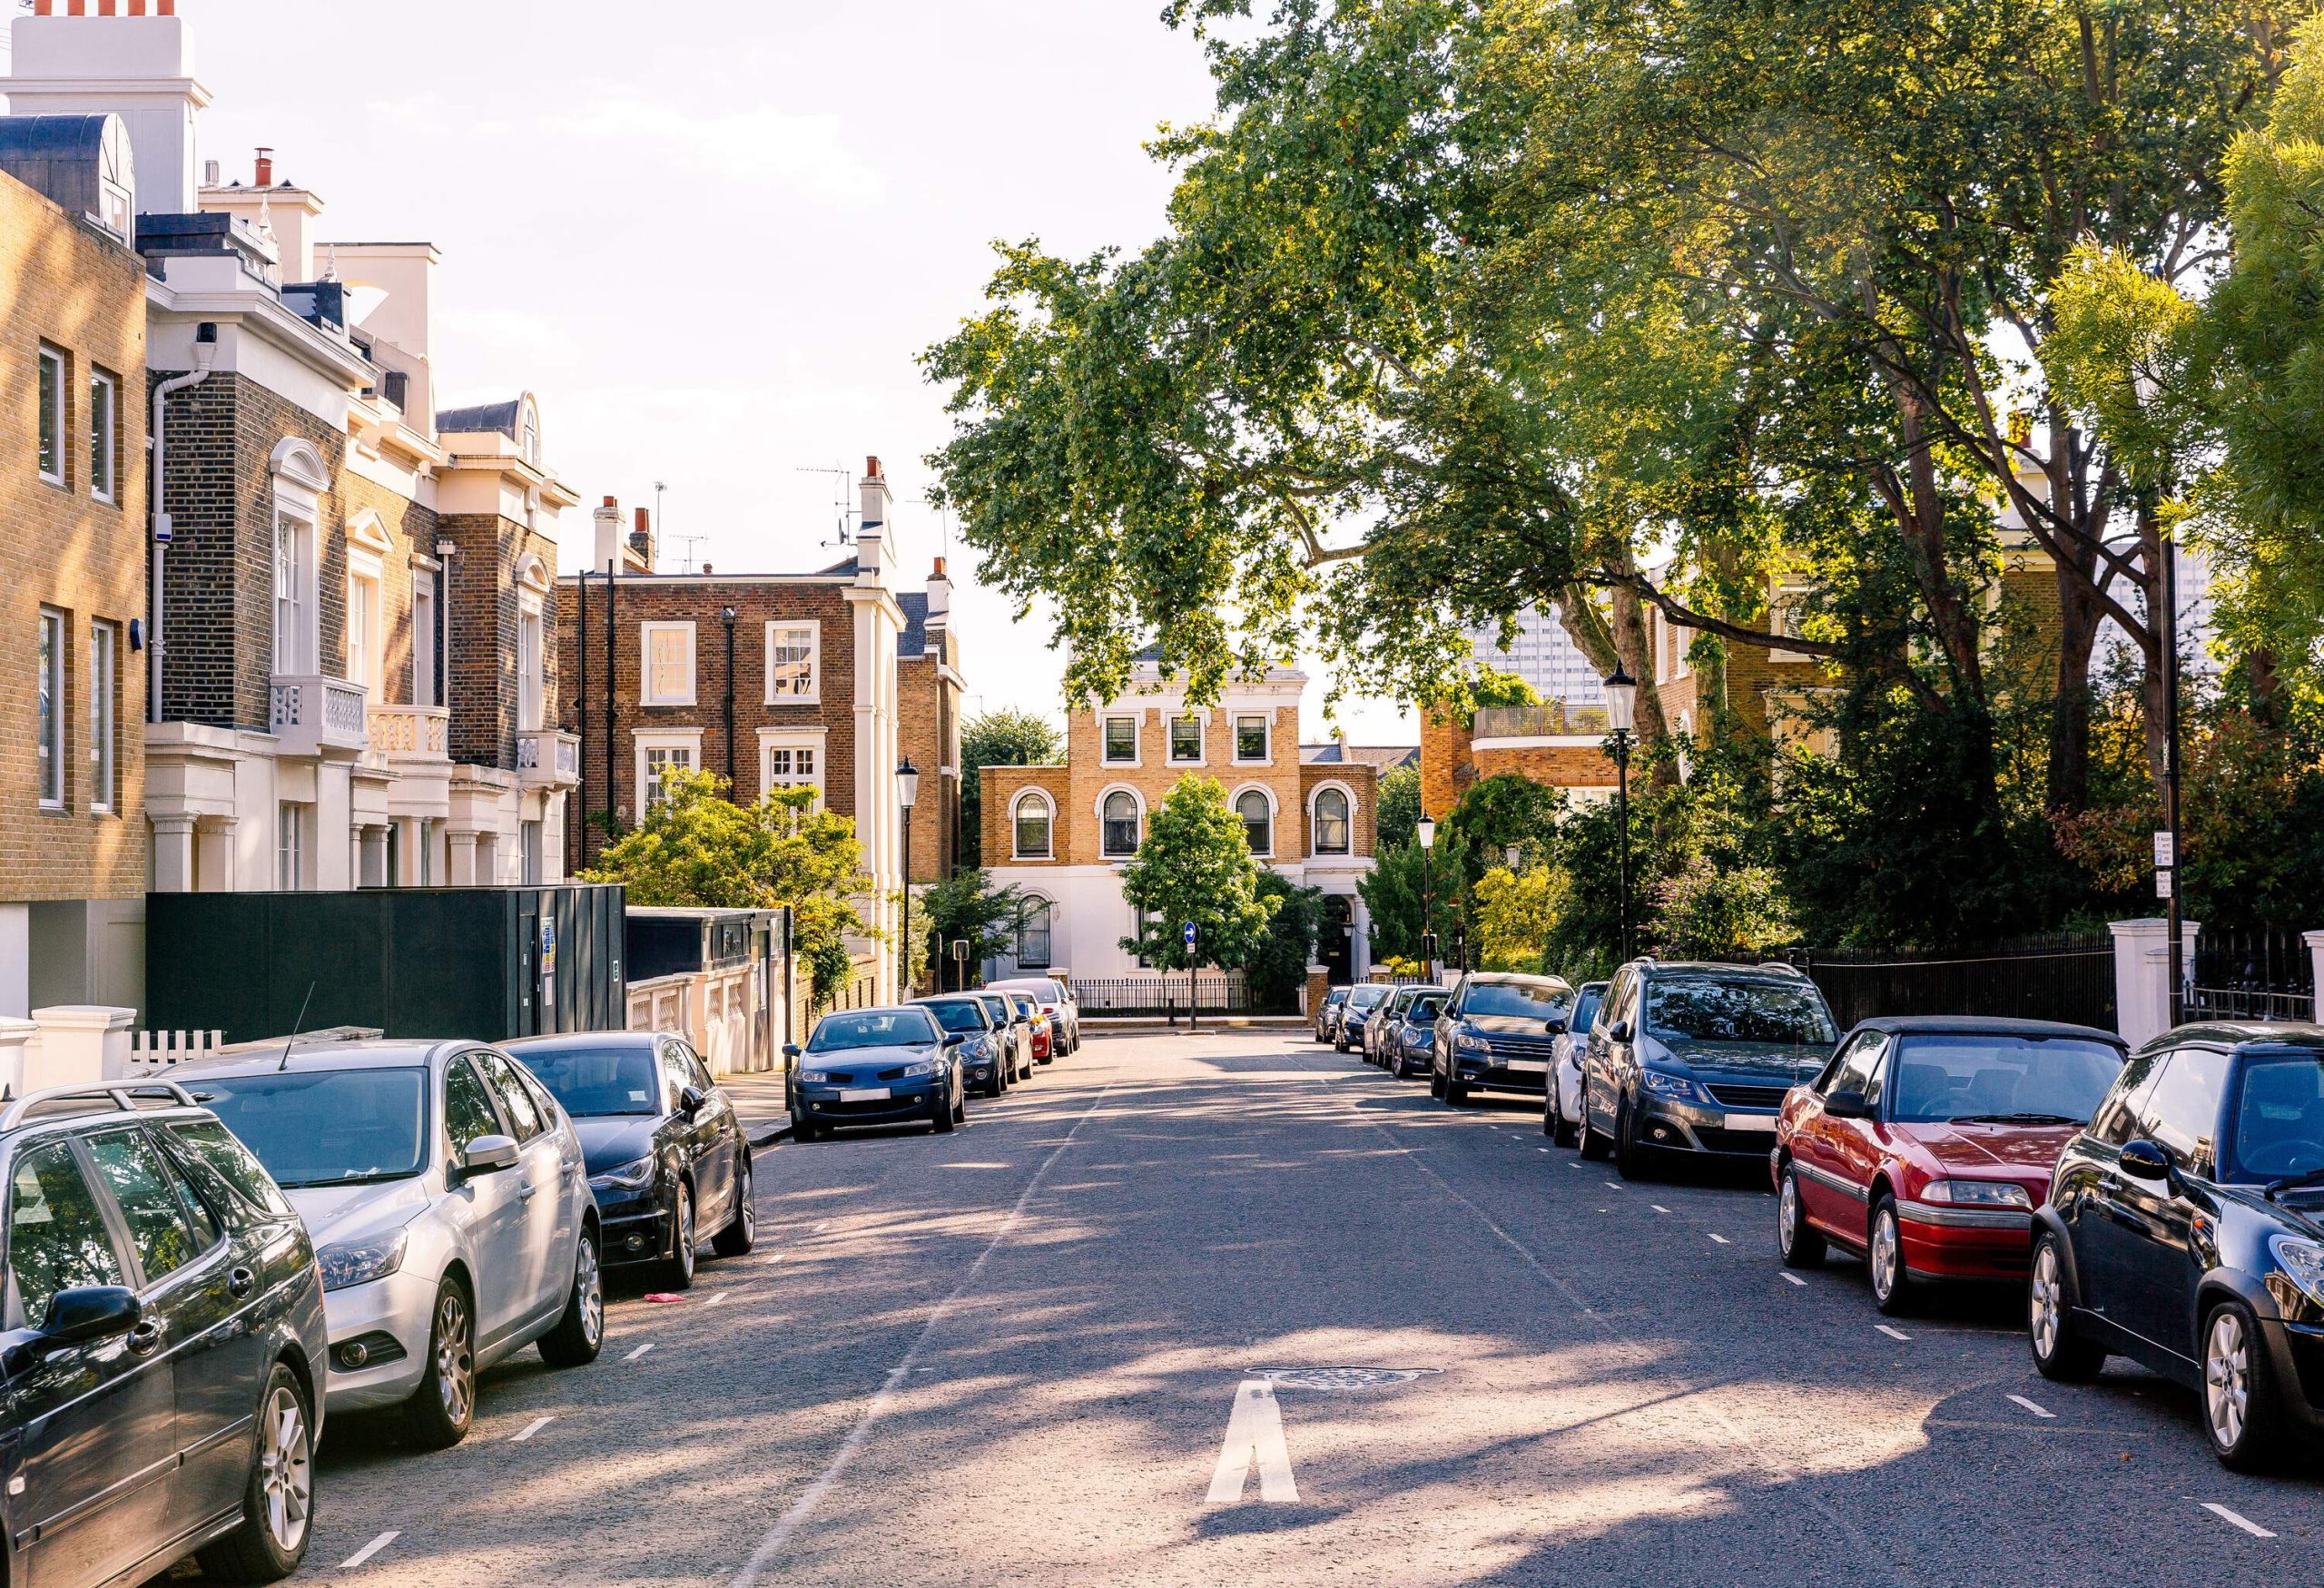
546,758
316,716
411,732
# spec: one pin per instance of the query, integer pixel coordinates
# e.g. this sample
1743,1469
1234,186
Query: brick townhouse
352,642
1061,833
72,565
825,680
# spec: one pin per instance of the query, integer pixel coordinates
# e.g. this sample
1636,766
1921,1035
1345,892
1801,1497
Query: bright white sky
712,236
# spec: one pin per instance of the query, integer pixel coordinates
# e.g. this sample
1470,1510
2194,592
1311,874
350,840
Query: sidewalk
759,1103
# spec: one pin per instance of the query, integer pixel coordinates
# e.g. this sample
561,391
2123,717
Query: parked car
1327,1013
1561,1099
1926,1144
1495,1033
1040,1039
666,1155
443,1190
1058,1006
983,1056
1355,1013
1409,1041
1691,1058
1014,1030
2185,1230
1380,1031
164,1338
876,1067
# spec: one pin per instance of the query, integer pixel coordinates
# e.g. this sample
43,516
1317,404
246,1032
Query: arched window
1032,822
1033,934
1258,820
1120,822
1330,823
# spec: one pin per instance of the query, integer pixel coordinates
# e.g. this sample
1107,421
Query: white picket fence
157,1050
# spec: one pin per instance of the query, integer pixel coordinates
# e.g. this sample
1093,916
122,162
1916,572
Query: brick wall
481,662
1155,776
1446,767
928,710
996,796
84,295
1361,780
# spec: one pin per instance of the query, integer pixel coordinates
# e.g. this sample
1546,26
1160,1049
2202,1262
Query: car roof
1762,972
970,996
379,1053
1982,1026
2236,1033
564,1040
1521,978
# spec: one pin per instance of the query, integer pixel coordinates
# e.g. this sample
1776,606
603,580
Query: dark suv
1687,1056
1497,1032
165,1345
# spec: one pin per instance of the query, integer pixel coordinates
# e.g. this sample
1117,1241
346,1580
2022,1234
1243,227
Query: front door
1335,944
91,1481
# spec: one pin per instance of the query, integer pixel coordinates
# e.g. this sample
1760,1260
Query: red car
1926,1143
1036,1022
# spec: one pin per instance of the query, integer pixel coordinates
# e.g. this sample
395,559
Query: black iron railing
1166,995
2253,972
2067,976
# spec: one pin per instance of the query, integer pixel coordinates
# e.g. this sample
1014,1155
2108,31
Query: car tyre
1884,1259
278,1502
2061,1352
1455,1094
1799,1242
443,1408
1593,1146
2243,1413
741,1231
580,1331
939,1111
677,1268
1630,1154
999,1084
800,1130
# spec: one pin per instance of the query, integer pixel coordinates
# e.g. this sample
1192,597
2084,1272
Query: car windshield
1424,1006
1703,1009
872,1028
1517,1000
957,1015
2278,1119
2000,1079
1365,996
325,1127
593,1083
995,1005
1585,1008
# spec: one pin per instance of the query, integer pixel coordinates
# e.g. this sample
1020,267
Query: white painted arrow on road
1254,1433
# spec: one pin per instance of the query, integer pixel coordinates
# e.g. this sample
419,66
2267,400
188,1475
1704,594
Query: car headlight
1977,1193
634,1176
358,1262
2303,1264
1678,1088
981,1048
925,1067
814,1078
1470,1042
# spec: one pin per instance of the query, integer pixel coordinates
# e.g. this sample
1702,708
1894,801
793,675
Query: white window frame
289,846
104,436
1786,614
424,633
298,481
1105,756
771,740
1201,720
1139,804
49,421
1266,730
49,681
104,722
364,642
686,739
646,694
1049,932
1017,851
1315,819
1235,804
813,693
532,663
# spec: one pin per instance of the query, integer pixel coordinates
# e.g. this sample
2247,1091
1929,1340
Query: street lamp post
1622,704
907,790
1427,901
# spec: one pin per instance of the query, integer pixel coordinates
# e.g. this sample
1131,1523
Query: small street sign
1190,934
2165,851
2162,884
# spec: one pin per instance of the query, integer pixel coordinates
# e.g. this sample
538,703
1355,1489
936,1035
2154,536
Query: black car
1009,1030
163,1357
665,1154
1690,1057
2185,1230
886,1066
986,1057
1363,999
1497,1032
1405,1049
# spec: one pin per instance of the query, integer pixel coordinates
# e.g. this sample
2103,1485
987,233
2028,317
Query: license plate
1751,1122
1539,1065
862,1094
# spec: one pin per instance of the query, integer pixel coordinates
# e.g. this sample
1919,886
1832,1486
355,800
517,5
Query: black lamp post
1621,705
1427,901
907,790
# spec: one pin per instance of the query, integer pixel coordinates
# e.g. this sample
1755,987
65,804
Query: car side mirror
954,1038
1846,1105
691,1101
488,1155
1620,1031
2146,1161
86,1313
790,1049
1554,1025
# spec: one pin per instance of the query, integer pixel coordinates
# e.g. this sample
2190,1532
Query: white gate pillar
2315,942
2143,976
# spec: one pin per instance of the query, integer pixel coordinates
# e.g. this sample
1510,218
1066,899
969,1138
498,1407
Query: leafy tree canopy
1194,866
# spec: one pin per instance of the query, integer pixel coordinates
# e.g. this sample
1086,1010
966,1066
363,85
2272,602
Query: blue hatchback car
876,1067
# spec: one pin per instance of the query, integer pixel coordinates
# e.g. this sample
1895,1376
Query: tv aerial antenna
843,516
943,516
689,542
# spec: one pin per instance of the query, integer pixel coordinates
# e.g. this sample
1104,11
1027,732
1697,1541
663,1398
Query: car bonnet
338,1214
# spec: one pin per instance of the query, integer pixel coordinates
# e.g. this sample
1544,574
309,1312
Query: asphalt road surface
1082,1342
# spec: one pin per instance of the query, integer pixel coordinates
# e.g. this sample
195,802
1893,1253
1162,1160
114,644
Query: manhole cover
1339,1380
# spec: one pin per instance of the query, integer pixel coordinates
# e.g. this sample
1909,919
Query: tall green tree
1276,968
1398,818
966,907
1195,868
1006,737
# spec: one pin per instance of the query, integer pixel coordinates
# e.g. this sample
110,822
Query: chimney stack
871,529
265,169
640,539
607,519
939,596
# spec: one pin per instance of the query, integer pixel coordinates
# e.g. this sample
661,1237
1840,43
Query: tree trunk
2078,622
1638,657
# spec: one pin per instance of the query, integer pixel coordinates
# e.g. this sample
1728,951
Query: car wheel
440,1411
800,1130
1339,1044
2059,1351
998,1084
1567,1132
581,1331
278,1500
741,1231
1435,1080
2242,1412
1594,1146
677,1268
960,1107
939,1112
1455,1094
1884,1259
1801,1246
1630,1152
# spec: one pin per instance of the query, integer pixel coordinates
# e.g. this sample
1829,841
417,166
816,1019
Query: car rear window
2000,1079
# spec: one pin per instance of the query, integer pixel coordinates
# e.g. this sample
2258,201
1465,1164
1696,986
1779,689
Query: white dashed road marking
715,1300
1722,1240
2029,1405
388,1537
1254,1434
2214,1506
1611,1185
1796,1279
531,1428
1658,1207
1892,1332
641,1351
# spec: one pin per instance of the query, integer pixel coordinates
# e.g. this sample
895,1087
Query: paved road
1013,1356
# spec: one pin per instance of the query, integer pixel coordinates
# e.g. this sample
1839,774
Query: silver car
1063,1010
452,1221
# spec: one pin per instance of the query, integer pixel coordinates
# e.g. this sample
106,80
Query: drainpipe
205,350
726,615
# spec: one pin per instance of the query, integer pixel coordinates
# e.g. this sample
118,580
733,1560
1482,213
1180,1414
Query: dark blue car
876,1067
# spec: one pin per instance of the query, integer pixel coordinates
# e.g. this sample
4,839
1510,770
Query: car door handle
145,1336
240,1283
525,1190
